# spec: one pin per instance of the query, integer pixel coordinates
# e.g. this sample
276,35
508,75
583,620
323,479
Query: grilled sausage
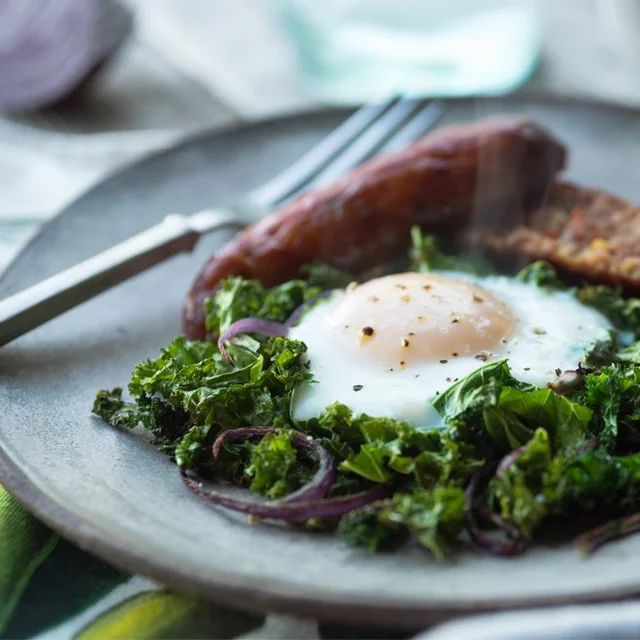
484,171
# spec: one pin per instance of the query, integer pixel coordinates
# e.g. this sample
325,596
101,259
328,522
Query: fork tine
370,142
298,175
417,126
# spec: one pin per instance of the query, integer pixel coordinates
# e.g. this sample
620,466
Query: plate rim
268,595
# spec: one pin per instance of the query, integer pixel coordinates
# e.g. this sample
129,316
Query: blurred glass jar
351,51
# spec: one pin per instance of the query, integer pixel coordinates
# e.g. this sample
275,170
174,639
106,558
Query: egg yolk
412,318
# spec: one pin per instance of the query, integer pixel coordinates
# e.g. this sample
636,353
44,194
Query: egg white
552,331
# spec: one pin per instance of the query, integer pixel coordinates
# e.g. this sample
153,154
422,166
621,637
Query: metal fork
372,128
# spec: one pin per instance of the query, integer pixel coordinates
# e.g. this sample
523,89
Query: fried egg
388,346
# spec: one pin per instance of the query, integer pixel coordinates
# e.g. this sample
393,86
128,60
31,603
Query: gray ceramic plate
112,493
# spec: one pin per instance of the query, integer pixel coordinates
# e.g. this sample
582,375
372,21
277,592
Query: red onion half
250,325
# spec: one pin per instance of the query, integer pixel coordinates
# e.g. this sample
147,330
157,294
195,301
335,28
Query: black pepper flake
367,331
426,287
455,321
456,379
558,372
538,331
481,356
417,375
448,379
422,318
402,363
405,343
357,387
503,341
443,361
455,354
411,333
527,368
477,298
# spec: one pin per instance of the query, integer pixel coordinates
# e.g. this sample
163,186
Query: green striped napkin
50,589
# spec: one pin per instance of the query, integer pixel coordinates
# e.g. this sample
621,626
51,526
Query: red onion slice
613,530
321,482
250,325
286,511
514,543
304,504
508,460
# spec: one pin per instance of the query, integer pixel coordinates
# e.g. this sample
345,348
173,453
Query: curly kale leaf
434,517
110,406
188,394
492,410
154,413
237,298
463,405
629,354
539,484
623,312
363,528
541,274
603,352
613,393
513,420
426,256
324,276
387,450
193,449
531,488
276,467
471,394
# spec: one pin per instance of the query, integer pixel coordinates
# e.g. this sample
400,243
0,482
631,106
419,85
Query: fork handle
36,305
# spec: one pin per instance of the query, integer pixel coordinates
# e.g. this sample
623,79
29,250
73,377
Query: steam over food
487,172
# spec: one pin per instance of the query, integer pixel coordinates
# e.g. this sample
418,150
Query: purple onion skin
508,460
304,504
265,327
286,511
320,484
592,540
294,318
250,325
484,540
